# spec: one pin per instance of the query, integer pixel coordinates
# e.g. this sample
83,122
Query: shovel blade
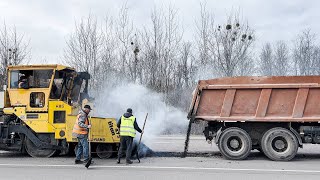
88,163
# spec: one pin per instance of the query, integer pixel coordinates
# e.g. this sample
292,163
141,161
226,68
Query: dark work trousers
125,141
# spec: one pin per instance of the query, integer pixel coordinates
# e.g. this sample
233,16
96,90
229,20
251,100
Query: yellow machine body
43,114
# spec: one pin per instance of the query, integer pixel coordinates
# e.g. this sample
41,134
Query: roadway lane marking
162,167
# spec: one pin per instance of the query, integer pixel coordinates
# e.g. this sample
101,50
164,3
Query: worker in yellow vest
80,130
128,126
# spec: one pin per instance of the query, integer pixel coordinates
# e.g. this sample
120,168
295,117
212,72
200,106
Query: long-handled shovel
90,158
144,124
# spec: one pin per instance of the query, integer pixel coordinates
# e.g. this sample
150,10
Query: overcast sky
47,23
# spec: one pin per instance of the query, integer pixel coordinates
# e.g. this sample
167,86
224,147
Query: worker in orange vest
80,130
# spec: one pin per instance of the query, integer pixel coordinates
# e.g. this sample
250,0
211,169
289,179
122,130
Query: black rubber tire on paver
104,151
34,151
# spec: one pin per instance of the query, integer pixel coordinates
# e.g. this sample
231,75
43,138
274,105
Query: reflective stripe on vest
127,126
79,130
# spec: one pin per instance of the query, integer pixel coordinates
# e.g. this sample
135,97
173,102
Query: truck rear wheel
279,144
235,143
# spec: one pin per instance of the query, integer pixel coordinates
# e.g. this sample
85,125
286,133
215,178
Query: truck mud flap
297,136
219,132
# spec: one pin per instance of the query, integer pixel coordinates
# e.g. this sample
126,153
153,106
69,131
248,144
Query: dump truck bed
274,98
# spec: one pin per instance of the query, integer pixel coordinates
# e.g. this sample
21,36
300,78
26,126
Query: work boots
78,162
127,161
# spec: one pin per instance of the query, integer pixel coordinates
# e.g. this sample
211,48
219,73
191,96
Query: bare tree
152,43
84,46
203,35
247,67
275,61
266,60
224,49
316,57
125,34
231,47
173,37
186,67
304,55
14,50
281,59
108,65
161,44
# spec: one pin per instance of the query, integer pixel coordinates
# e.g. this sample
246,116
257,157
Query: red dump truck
275,115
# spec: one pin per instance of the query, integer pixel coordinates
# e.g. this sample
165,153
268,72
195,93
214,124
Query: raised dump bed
274,114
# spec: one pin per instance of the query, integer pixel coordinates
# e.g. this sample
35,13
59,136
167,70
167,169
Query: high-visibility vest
80,130
127,126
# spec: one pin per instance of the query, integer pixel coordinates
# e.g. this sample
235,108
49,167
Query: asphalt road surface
204,162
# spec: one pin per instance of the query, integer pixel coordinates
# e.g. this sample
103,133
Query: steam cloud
162,118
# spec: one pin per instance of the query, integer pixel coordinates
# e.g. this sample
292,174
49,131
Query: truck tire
279,144
235,143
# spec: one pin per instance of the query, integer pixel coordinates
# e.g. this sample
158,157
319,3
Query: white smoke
162,118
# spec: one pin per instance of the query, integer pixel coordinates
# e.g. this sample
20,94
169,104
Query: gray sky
47,23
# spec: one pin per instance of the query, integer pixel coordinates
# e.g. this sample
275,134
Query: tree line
160,57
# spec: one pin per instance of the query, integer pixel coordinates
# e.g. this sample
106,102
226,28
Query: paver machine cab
39,109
